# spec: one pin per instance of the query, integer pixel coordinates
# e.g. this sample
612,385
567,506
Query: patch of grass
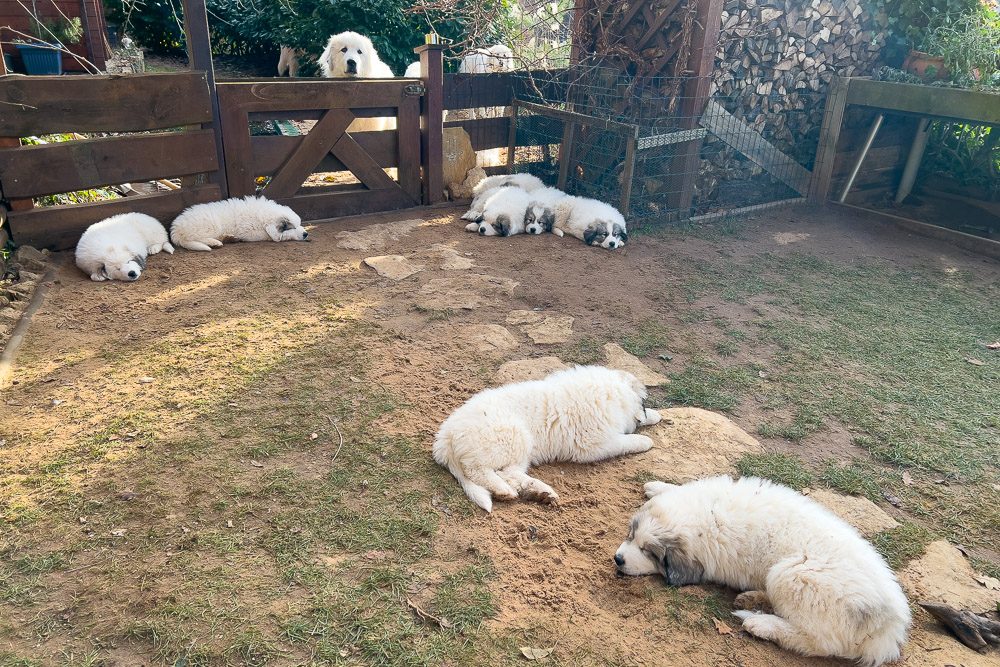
587,350
8,659
779,468
854,479
435,314
464,598
806,422
708,385
902,544
650,336
726,348
642,477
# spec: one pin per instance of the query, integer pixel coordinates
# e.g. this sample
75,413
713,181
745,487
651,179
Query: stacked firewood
775,60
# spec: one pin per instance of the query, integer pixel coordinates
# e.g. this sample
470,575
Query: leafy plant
970,45
63,30
908,20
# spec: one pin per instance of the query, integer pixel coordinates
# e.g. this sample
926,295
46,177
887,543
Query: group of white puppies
116,248
812,584
522,204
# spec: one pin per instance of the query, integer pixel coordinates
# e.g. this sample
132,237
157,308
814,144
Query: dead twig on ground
337,453
442,622
976,632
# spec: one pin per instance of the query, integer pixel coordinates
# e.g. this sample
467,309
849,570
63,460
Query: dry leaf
229,524
535,653
990,583
377,556
974,362
907,479
255,464
994,346
722,627
963,549
892,498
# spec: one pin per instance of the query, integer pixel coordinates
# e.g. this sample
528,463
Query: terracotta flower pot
917,63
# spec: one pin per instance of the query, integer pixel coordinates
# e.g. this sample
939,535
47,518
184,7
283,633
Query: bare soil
555,580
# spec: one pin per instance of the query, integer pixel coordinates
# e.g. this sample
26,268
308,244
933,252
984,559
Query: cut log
976,632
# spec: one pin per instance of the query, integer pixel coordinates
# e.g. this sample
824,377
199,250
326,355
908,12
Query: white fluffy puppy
116,248
540,215
501,58
504,213
832,593
581,414
205,226
288,61
593,222
349,55
486,187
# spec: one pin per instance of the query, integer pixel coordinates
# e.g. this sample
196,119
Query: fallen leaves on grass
990,583
722,627
994,346
535,653
908,479
974,362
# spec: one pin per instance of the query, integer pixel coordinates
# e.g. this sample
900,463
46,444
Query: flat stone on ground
863,514
467,291
529,369
451,260
489,338
621,360
543,328
944,575
691,443
376,236
394,267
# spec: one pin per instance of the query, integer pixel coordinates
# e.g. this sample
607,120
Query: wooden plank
303,160
238,151
33,105
657,23
68,166
469,91
335,205
565,153
877,158
431,134
668,138
60,227
582,119
976,244
408,137
199,48
512,136
833,118
941,103
269,152
362,165
277,94
627,172
753,145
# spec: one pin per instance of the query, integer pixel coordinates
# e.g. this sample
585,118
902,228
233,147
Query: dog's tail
476,493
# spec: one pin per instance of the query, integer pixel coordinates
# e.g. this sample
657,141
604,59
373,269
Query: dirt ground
449,330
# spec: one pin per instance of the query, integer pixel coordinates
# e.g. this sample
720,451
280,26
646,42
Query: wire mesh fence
648,146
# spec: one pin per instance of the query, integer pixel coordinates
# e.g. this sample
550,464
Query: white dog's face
347,55
500,226
606,234
538,219
287,227
658,543
124,266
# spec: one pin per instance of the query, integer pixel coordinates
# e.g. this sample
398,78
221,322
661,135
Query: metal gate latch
414,89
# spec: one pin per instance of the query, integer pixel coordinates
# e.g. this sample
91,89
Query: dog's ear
284,225
677,567
621,233
502,225
592,233
548,219
104,272
141,261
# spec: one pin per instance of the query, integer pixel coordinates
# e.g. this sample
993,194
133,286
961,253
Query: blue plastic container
39,59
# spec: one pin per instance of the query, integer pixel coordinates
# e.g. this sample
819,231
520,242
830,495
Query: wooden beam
408,142
60,227
303,160
325,205
199,47
34,105
753,145
829,134
68,166
270,152
304,94
362,165
432,135
955,104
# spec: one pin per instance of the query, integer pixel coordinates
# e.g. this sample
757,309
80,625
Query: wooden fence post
826,149
199,47
432,132
704,41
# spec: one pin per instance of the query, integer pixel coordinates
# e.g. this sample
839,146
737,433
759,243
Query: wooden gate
287,161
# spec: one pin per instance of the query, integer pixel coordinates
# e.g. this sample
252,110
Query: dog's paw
472,227
650,417
753,601
539,491
745,614
655,488
98,277
168,248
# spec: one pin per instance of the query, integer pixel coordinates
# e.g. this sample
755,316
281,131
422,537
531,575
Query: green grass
707,384
902,543
779,468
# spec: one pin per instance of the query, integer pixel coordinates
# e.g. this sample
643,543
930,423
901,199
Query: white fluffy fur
832,593
591,221
204,226
582,414
504,212
288,61
486,187
349,55
540,215
496,58
116,248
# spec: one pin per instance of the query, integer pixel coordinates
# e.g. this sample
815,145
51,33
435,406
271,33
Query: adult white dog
582,414
593,222
349,55
206,226
116,248
489,185
831,592
288,61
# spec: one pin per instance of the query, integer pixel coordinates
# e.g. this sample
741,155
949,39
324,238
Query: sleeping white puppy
205,226
581,414
540,215
489,185
349,55
593,222
832,593
504,212
116,248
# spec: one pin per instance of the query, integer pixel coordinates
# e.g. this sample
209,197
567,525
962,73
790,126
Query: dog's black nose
133,274
619,560
482,231
612,244
305,234
352,67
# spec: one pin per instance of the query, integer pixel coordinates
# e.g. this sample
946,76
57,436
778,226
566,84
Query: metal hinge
414,89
